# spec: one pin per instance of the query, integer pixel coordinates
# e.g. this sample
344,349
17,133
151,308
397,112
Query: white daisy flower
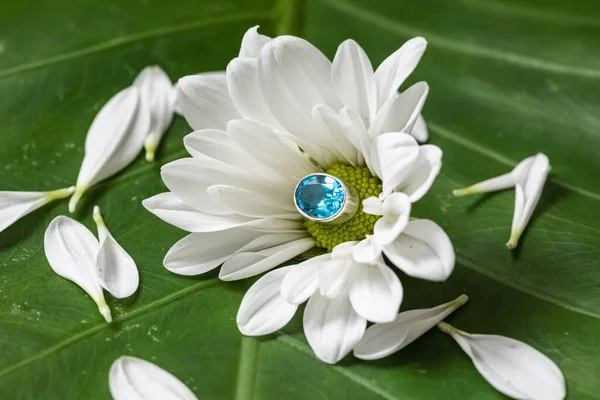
292,151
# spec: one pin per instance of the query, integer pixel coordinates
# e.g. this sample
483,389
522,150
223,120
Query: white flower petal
343,251
263,309
396,154
251,203
115,269
113,141
332,327
245,92
294,76
249,263
530,177
353,79
71,250
253,42
356,132
396,211
156,93
501,182
270,149
333,275
375,291
132,378
302,280
511,366
400,112
205,102
424,170
367,250
394,70
334,140
15,205
198,253
420,131
423,250
381,340
372,205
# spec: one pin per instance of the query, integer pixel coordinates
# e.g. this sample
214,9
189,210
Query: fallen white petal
394,70
332,327
423,250
115,269
113,141
15,205
381,340
263,309
156,94
528,179
511,366
205,101
375,291
71,250
132,378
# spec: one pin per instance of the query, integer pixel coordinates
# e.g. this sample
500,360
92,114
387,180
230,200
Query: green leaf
508,79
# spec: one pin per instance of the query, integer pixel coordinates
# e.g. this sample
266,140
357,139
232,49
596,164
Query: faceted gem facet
320,196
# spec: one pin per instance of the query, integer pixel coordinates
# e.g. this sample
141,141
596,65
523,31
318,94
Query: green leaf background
508,79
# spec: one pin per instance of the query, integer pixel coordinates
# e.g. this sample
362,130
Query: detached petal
375,291
205,102
71,250
253,42
394,70
530,177
423,250
511,366
156,93
353,79
132,378
381,340
332,327
113,141
15,205
115,269
263,309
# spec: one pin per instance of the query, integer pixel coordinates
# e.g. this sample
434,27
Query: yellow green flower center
363,185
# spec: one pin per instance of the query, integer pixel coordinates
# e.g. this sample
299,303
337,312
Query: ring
322,197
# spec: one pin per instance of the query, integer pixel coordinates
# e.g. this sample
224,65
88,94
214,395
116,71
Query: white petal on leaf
353,79
375,291
253,42
71,250
423,250
15,205
113,141
205,101
156,94
132,378
263,309
512,367
115,269
332,327
381,340
394,70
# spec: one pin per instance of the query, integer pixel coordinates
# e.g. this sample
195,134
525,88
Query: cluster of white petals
136,116
75,254
512,367
283,111
132,378
16,205
528,179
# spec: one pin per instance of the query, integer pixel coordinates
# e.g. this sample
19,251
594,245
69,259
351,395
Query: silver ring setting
324,198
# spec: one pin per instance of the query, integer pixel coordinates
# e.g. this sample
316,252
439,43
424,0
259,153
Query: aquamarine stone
320,196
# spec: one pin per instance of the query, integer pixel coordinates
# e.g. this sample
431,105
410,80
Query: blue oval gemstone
320,196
